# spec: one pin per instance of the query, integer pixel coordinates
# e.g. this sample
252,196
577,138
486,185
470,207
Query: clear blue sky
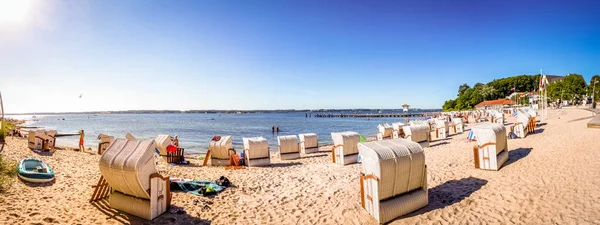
280,54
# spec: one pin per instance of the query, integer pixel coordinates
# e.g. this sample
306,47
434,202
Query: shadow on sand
285,164
449,193
313,155
439,144
537,131
516,155
165,218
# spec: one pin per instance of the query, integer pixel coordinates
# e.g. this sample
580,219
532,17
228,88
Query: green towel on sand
198,187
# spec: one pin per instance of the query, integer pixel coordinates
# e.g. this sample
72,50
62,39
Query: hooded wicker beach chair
491,151
105,141
309,143
441,128
418,133
41,139
393,180
398,131
162,142
532,119
289,148
218,151
520,127
344,150
129,169
457,125
256,151
385,131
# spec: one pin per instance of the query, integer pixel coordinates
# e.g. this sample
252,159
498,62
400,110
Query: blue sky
281,54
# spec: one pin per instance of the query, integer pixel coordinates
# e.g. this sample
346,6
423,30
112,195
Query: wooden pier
333,115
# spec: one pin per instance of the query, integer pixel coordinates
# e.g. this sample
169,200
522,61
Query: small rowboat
35,170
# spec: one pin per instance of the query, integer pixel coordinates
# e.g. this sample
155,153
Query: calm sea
195,130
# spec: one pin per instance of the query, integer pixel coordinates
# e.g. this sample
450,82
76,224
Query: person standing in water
277,129
81,137
273,129
176,141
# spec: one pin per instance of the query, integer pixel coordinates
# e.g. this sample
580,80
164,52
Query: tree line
572,88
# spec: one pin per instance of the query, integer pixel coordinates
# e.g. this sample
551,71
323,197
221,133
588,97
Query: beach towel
196,187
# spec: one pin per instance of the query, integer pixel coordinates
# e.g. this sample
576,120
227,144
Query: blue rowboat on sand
35,170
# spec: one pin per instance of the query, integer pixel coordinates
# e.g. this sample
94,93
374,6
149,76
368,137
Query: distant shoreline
226,111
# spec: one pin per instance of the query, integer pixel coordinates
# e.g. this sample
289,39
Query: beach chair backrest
162,142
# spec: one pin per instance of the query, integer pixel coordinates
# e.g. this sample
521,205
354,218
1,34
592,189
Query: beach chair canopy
349,141
127,165
256,147
220,149
310,140
288,144
162,142
491,132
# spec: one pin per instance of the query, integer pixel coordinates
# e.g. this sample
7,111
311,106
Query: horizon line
141,111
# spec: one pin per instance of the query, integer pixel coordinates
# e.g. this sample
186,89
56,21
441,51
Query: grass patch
8,172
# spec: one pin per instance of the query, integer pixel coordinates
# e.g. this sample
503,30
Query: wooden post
206,158
362,191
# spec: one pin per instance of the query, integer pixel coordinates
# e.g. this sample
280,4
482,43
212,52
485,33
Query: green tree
594,87
463,88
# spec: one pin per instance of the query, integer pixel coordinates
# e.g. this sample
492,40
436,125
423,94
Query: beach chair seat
289,149
491,151
309,143
418,133
393,180
345,150
129,168
385,131
162,142
256,151
218,151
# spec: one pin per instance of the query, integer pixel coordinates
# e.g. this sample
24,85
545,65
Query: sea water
195,130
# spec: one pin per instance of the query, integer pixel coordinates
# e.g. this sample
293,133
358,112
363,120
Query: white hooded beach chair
441,128
385,131
458,125
129,168
162,142
532,119
418,133
345,150
105,141
218,151
520,127
288,147
309,143
41,139
398,131
393,181
491,151
256,151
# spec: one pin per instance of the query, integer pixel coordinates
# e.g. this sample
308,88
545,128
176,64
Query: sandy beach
552,177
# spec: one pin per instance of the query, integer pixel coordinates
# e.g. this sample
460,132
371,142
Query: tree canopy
469,97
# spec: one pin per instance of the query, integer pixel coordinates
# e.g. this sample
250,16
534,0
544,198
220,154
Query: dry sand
552,177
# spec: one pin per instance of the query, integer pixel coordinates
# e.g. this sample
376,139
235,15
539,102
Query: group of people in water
275,129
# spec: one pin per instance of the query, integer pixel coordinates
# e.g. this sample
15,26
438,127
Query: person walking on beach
81,136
